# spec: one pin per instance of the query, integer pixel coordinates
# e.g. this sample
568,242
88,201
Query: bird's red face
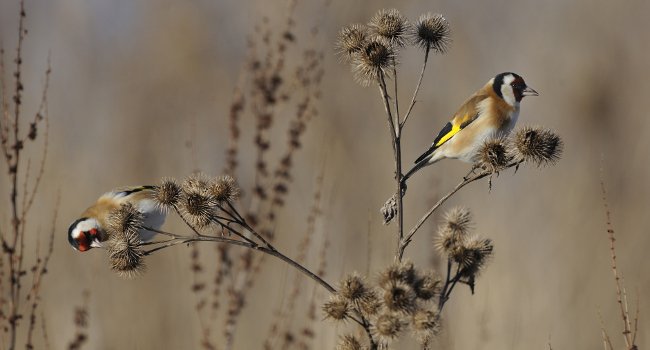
84,234
512,88
520,89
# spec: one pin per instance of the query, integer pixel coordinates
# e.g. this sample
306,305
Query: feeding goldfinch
490,112
89,230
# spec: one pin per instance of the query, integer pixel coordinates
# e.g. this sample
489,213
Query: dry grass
21,280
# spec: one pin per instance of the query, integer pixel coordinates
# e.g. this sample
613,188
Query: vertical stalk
398,164
14,253
397,153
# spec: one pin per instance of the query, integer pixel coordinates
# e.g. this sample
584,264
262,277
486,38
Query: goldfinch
89,230
490,112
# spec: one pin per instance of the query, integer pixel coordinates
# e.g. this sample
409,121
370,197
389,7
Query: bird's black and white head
512,88
84,234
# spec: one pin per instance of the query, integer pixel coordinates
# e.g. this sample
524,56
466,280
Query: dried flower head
125,219
453,230
493,156
446,240
427,286
473,255
426,324
399,297
351,40
336,308
124,253
167,194
373,60
388,327
537,145
431,32
370,304
391,25
353,288
389,210
224,188
398,272
350,342
459,220
196,203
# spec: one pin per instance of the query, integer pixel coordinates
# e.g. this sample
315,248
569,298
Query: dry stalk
81,324
271,91
629,333
14,140
281,324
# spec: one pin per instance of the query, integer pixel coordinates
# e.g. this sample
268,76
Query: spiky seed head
400,297
351,40
493,155
349,342
390,24
446,240
432,32
389,210
537,145
336,308
353,287
124,253
126,219
459,220
388,327
425,324
370,304
398,272
373,60
224,188
167,194
427,286
473,255
196,203
197,182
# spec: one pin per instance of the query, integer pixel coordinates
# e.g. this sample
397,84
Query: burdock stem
397,153
417,87
182,239
466,181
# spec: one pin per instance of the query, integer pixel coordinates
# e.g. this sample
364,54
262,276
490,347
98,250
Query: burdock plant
402,297
408,298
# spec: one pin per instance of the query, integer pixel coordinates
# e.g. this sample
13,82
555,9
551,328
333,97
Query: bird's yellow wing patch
443,138
466,114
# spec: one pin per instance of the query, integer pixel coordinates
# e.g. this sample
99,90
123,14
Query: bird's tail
419,165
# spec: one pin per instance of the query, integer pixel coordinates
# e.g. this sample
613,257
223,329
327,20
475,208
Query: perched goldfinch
490,112
89,230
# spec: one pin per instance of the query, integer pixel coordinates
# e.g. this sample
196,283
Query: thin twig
443,292
417,88
607,342
180,239
466,181
397,153
395,98
384,95
178,212
409,237
636,320
245,225
619,289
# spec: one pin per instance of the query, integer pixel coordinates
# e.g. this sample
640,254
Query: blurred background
142,90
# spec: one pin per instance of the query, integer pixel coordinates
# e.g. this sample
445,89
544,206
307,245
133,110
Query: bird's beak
96,244
528,91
